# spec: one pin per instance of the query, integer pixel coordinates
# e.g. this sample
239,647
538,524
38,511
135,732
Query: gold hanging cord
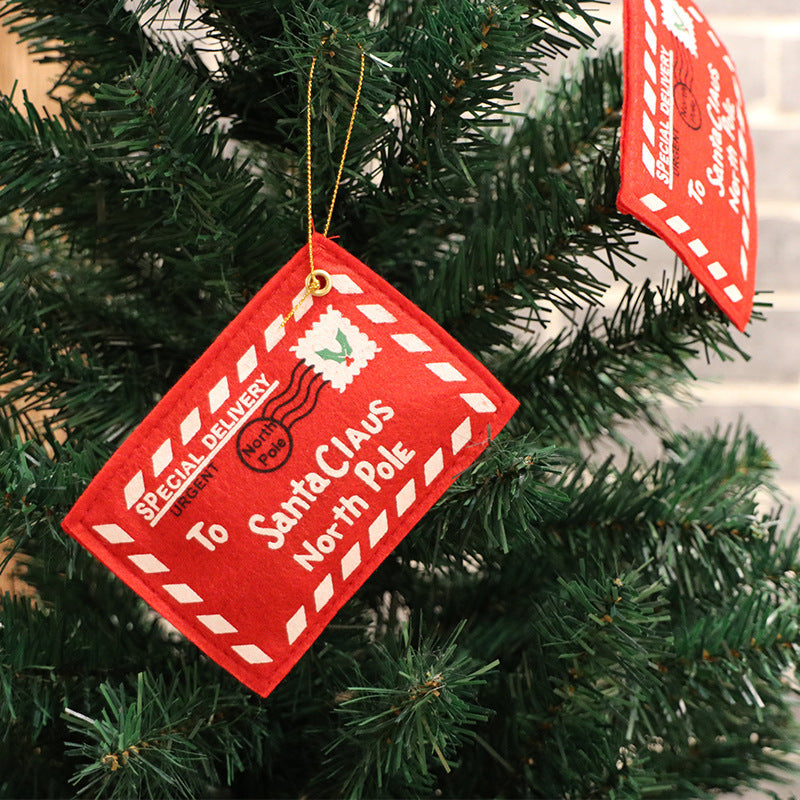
318,282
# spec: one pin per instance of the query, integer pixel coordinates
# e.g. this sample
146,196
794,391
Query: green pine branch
161,736
540,219
640,353
614,629
404,721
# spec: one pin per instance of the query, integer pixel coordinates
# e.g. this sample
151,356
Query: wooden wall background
17,65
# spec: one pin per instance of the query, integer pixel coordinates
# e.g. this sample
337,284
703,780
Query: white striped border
698,17
113,533
656,204
184,594
650,58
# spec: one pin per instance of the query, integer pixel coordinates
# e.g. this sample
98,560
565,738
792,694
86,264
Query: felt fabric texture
288,462
687,157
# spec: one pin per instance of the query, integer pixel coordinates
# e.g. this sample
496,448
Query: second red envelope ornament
288,462
687,157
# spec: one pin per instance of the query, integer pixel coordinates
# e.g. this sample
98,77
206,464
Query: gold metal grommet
319,283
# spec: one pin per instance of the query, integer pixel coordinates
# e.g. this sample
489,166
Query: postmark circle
687,106
264,445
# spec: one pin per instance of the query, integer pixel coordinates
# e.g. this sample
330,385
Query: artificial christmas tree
559,624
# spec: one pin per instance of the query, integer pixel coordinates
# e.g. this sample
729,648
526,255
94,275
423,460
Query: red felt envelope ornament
687,157
288,462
